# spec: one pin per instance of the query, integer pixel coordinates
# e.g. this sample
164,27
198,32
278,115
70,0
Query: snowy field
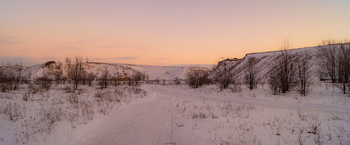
174,114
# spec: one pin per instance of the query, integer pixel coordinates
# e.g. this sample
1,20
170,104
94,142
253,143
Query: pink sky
164,32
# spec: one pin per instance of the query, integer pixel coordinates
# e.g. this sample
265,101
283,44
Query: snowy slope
264,63
161,72
126,70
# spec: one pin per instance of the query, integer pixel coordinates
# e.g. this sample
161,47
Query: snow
162,72
177,114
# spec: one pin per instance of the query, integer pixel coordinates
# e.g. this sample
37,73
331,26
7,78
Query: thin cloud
8,40
19,60
68,48
107,46
125,58
79,42
161,58
124,45
116,58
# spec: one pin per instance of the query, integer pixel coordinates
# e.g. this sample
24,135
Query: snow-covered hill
125,70
264,63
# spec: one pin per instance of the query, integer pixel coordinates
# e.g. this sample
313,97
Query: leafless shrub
251,76
51,116
248,139
314,124
242,110
226,108
13,110
75,71
68,89
44,81
136,90
83,106
17,71
107,96
236,87
342,135
177,81
199,115
103,80
90,77
74,100
26,96
136,78
10,76
86,109
212,115
303,72
224,76
157,81
197,77
33,88
301,114
99,95
55,71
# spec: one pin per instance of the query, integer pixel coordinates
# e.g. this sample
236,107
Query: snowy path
146,122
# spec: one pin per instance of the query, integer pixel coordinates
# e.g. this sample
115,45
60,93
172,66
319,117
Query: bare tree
177,81
116,79
44,80
90,78
283,71
335,62
327,55
251,76
197,77
26,76
5,77
344,66
103,81
75,71
11,76
303,71
56,70
17,75
135,79
68,63
224,76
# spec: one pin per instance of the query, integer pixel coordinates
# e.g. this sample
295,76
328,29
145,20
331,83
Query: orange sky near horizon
164,32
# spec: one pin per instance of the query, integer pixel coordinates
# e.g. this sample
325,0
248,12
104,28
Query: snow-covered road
148,121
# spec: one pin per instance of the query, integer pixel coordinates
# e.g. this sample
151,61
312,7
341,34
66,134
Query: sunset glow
164,32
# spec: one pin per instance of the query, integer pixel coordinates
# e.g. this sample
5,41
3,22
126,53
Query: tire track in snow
148,122
191,94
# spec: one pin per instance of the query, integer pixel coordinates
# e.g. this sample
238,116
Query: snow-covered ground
177,114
